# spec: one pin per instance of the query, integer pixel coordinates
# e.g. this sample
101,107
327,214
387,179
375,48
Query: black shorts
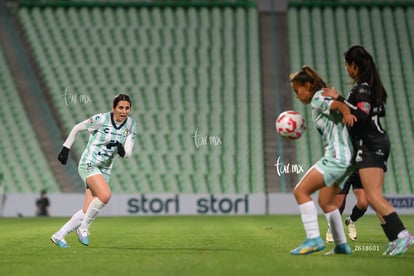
354,181
372,155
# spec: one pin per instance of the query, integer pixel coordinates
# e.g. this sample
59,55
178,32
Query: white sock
73,223
309,215
94,208
335,224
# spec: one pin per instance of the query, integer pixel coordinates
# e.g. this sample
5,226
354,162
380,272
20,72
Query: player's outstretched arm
64,153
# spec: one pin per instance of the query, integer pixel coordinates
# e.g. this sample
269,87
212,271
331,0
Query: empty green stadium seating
185,68
24,165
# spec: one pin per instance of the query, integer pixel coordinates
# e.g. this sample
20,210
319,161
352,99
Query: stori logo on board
189,204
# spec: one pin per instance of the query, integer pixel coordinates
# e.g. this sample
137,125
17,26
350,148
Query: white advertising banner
143,204
64,205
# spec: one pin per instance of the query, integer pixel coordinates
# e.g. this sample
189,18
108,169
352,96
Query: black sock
386,231
357,213
342,207
393,225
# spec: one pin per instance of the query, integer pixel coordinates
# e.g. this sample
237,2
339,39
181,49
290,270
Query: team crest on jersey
95,118
364,106
126,132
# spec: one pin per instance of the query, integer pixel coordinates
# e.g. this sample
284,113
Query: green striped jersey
335,136
101,149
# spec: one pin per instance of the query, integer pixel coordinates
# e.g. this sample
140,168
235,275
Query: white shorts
88,169
333,172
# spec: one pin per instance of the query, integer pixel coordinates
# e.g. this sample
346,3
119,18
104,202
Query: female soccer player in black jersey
367,102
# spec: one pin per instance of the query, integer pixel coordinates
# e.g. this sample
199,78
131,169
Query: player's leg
358,211
72,224
361,205
96,197
310,182
340,201
400,239
327,201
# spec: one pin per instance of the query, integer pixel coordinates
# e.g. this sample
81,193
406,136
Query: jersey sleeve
95,122
360,105
90,125
363,98
130,140
321,103
72,135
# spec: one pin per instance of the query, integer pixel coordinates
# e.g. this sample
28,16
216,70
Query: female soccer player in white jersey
111,133
326,175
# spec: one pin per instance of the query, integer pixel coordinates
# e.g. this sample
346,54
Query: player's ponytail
307,74
367,71
318,82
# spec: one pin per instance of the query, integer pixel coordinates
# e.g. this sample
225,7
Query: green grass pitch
192,245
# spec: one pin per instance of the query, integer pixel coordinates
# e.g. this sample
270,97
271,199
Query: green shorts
333,172
87,169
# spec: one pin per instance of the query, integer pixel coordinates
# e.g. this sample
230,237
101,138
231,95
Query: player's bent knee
105,197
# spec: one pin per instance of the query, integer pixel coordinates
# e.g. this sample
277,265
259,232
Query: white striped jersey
335,136
101,149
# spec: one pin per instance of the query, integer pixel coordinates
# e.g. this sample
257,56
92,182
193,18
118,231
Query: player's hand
349,119
63,155
121,150
330,92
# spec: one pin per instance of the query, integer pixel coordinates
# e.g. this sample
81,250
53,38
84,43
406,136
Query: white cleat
59,241
352,232
329,237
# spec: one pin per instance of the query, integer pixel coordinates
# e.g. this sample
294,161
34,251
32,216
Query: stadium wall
64,205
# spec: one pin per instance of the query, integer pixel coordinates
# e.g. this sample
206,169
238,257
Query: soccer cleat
399,246
352,232
60,242
329,237
309,246
83,236
342,248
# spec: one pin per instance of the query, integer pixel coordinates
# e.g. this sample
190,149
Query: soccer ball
290,124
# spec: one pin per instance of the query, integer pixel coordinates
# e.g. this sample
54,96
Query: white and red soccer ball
290,124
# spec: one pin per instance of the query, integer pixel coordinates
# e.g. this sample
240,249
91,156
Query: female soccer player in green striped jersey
326,175
111,134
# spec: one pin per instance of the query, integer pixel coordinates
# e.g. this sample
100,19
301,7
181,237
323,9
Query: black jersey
370,140
368,127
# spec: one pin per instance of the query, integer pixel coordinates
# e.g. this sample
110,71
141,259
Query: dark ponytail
367,72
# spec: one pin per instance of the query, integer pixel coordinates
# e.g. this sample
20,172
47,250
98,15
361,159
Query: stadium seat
177,60
25,167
